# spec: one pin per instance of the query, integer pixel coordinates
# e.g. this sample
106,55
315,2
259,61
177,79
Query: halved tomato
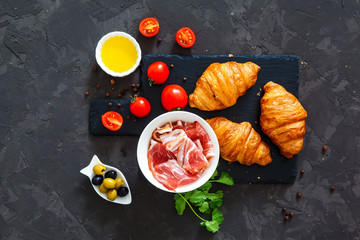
112,120
185,37
149,27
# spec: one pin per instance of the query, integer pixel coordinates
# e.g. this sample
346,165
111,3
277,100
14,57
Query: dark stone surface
45,69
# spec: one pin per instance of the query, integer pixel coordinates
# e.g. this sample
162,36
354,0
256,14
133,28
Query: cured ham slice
157,154
172,175
187,154
196,132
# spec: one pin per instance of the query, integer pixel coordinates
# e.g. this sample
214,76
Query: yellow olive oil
118,54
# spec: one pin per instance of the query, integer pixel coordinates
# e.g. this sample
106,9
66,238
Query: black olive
110,174
123,191
97,179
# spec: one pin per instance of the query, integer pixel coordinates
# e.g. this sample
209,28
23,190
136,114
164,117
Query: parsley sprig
208,202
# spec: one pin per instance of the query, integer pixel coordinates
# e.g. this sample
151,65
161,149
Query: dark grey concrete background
47,52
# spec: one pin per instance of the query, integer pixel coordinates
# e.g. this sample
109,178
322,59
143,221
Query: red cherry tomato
173,96
158,73
112,120
149,27
140,107
185,37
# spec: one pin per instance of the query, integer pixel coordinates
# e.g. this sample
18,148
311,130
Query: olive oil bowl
88,171
118,54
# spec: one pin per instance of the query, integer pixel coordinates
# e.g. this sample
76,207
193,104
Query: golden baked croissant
222,83
283,119
240,142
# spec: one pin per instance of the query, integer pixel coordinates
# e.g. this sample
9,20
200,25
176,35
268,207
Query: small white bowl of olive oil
118,54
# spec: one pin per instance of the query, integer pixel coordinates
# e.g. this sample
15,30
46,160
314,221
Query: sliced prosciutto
172,175
157,154
196,132
187,154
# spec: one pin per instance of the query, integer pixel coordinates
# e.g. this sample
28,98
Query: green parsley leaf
211,196
197,197
225,178
204,207
212,226
214,174
179,204
217,216
215,203
206,187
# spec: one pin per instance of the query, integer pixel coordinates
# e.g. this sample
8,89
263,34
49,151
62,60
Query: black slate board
282,69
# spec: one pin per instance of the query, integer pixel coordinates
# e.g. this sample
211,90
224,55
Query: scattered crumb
230,55
258,177
256,121
258,94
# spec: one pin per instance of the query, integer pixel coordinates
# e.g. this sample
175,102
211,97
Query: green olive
109,183
112,194
99,169
102,188
118,182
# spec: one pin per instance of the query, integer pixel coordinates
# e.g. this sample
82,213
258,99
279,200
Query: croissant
283,119
240,142
222,83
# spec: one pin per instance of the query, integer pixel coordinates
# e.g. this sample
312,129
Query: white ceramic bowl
144,142
101,63
88,171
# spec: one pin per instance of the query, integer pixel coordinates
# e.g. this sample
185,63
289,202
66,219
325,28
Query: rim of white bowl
100,61
144,141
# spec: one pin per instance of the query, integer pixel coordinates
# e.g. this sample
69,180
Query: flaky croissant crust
240,142
283,119
222,83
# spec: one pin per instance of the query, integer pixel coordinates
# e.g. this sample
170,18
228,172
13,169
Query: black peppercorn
119,95
133,85
324,148
171,65
128,117
86,93
184,78
332,188
112,89
119,104
137,85
107,94
126,88
299,195
286,218
94,68
97,86
291,214
135,89
112,81
159,40
110,104
284,209
302,172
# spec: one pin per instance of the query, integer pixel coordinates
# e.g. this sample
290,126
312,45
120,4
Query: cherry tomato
149,27
158,73
140,107
173,96
112,120
185,37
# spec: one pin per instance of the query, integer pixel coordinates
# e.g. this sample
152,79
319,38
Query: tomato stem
133,99
151,82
